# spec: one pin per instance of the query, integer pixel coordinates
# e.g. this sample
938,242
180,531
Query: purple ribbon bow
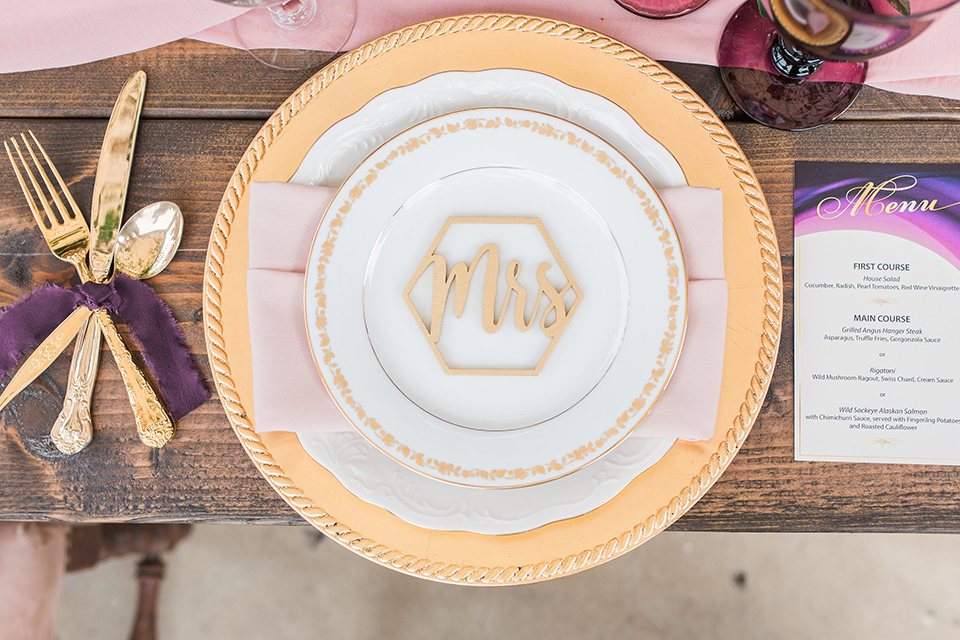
25,323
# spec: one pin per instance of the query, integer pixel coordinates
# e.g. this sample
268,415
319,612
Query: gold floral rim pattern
583,454
599,548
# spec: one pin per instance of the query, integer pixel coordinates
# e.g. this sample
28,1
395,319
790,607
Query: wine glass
661,8
808,68
294,34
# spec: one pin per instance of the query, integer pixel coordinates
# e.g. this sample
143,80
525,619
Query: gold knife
73,428
113,175
41,358
109,195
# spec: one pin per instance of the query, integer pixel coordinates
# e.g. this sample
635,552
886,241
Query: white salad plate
444,373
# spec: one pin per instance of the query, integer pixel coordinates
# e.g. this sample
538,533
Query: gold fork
68,238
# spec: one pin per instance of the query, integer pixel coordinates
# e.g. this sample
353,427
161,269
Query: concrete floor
241,582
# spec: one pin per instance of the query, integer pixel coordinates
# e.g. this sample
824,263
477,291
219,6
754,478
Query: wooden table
204,104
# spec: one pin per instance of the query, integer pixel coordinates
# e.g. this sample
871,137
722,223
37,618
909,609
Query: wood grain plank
192,79
765,489
204,476
185,79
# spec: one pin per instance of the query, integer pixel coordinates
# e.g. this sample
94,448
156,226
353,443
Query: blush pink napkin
55,33
289,395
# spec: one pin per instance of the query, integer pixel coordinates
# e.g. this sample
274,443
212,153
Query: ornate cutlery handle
153,424
73,429
44,355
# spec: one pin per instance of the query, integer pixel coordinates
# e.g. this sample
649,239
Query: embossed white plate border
357,464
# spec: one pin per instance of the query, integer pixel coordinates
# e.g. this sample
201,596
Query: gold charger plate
671,113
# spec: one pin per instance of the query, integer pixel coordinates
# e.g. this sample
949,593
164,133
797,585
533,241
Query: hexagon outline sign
459,278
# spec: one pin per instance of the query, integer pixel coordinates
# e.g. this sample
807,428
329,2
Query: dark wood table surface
204,104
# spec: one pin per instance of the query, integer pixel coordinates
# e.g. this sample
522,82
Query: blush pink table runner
289,395
55,33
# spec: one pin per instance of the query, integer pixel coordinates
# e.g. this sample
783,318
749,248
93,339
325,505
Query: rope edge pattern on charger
666,515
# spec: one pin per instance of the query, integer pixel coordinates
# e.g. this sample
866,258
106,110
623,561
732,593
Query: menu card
877,312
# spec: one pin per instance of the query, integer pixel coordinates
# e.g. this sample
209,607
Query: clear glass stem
294,14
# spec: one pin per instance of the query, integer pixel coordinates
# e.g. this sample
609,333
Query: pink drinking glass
661,8
803,63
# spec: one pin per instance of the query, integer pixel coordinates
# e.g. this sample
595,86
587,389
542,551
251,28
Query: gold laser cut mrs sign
459,278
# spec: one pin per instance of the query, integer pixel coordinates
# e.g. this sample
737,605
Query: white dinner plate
342,147
372,476
444,374
359,466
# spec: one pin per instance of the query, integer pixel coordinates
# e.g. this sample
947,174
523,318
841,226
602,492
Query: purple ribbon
25,323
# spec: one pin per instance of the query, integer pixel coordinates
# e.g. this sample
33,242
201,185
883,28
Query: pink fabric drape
55,33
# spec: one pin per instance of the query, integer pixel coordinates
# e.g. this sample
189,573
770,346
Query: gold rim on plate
671,113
